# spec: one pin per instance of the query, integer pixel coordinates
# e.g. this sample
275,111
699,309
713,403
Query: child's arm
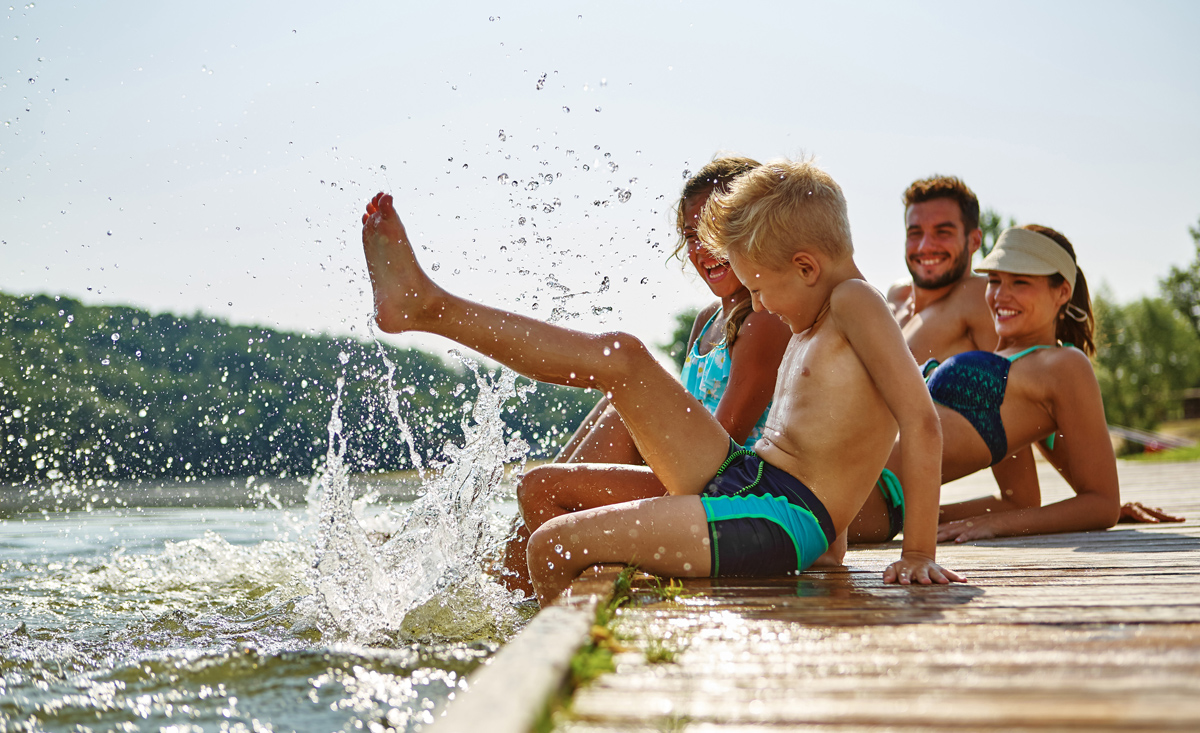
1017,478
755,364
1091,465
864,319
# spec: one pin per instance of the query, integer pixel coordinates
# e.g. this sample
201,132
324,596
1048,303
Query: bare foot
403,292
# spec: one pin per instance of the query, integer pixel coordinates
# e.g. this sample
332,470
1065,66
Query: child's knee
534,489
545,551
625,352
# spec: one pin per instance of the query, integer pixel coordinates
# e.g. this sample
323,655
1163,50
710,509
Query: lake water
196,619
334,604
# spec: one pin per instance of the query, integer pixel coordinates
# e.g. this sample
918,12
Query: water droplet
502,178
104,362
566,108
686,174
603,81
116,337
612,167
343,357
541,82
383,167
110,232
623,195
597,109
521,221
435,266
607,351
645,281
503,137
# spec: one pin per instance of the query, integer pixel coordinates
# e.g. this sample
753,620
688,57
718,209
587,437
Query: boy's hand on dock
916,568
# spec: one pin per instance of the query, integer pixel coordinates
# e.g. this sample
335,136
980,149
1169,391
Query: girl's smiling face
717,273
1024,304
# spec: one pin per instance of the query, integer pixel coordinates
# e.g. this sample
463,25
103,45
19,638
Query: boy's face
781,292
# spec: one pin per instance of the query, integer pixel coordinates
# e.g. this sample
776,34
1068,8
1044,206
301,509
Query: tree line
1148,351
117,392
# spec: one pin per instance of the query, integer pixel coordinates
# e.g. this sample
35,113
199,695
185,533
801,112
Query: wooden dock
1083,631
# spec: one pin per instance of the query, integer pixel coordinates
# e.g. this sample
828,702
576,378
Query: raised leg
677,437
665,536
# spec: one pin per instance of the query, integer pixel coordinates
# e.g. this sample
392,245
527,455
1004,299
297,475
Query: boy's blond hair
776,210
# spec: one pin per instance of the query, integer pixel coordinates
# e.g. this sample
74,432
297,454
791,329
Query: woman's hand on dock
1137,512
965,530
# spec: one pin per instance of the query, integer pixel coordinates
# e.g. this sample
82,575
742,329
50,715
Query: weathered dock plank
1083,631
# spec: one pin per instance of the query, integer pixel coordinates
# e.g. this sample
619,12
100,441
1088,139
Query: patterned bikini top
973,384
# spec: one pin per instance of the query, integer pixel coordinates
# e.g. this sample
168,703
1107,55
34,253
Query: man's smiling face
936,249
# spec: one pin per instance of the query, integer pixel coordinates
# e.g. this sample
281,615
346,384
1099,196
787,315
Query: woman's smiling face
1024,304
717,273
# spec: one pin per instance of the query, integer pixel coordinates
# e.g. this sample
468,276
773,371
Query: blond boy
846,385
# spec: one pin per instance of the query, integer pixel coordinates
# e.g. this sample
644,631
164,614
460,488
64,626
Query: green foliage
1181,287
676,348
658,652
1173,455
589,663
991,223
1146,354
117,392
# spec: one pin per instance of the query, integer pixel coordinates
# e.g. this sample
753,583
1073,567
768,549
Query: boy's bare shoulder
854,294
857,307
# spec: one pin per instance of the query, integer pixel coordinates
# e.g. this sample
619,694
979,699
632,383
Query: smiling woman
1038,385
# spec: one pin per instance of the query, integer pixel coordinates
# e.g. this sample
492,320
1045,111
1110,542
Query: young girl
732,358
1038,384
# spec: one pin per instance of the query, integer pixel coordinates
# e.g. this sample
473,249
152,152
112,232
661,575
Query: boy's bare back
830,426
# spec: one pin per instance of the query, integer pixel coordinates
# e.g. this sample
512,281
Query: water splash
370,572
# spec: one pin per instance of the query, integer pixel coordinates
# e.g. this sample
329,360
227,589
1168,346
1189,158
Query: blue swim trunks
762,520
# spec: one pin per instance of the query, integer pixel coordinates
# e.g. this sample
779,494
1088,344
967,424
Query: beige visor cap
1025,252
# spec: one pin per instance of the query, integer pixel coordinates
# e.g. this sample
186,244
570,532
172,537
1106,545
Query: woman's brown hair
715,177
1076,322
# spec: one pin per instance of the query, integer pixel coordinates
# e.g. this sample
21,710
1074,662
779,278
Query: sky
216,157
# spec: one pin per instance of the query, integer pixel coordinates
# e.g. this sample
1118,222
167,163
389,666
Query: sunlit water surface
345,612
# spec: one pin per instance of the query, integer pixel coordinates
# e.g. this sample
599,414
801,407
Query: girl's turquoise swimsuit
705,377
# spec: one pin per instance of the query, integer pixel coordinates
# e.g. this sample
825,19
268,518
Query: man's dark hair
946,187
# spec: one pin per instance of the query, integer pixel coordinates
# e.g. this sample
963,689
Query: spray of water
426,577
